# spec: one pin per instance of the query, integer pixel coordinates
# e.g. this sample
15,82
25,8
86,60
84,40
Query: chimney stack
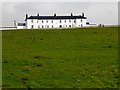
38,14
55,14
71,14
15,23
26,16
83,14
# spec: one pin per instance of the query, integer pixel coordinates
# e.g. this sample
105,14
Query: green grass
70,58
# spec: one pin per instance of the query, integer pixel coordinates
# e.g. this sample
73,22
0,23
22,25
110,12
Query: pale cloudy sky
96,12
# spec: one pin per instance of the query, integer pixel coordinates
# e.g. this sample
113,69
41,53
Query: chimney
54,14
38,14
83,14
71,14
15,23
26,16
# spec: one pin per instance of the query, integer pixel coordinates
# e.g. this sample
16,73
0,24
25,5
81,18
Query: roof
57,17
21,24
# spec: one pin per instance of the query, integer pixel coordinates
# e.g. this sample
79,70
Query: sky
96,12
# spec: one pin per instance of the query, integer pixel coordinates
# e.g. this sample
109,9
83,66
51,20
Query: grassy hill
63,58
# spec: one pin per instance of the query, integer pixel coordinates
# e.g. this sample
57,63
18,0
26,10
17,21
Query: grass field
70,58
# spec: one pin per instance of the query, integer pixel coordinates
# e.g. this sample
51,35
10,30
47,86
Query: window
81,25
81,20
37,21
60,26
65,21
60,21
38,26
52,26
52,21
42,26
32,21
69,20
32,26
42,21
46,21
74,21
69,25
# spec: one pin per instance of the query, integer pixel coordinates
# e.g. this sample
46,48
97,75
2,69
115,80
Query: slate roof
56,17
21,24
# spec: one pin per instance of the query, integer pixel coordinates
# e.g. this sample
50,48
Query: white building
21,25
36,22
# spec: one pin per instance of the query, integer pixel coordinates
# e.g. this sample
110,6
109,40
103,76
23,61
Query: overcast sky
96,12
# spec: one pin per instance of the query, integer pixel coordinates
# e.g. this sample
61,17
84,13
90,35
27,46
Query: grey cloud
51,7
96,12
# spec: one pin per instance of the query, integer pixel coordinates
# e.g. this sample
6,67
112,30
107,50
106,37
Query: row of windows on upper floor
52,21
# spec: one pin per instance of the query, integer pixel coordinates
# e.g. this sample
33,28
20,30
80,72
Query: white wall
81,23
56,23
29,23
21,27
8,28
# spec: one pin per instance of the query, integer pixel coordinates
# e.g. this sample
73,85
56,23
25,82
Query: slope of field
70,58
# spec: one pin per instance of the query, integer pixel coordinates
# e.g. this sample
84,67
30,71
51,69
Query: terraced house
36,22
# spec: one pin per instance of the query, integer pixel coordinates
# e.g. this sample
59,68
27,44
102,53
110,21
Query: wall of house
21,27
81,22
33,22
63,23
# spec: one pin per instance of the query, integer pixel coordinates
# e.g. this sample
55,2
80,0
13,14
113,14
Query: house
37,22
21,26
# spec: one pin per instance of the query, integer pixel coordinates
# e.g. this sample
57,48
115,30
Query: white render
21,27
56,23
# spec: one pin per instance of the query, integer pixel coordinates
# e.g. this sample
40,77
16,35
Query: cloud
51,7
96,12
105,13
